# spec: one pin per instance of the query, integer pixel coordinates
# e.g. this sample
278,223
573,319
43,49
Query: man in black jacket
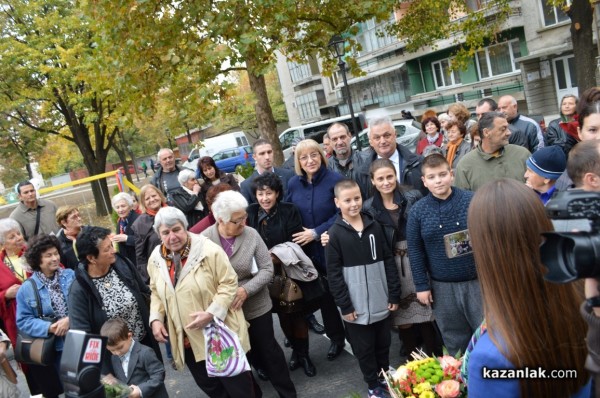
345,161
382,138
262,152
165,178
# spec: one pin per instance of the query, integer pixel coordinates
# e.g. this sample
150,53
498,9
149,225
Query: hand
200,320
196,188
159,331
591,290
110,379
425,297
60,327
351,317
392,307
136,392
240,296
304,237
119,238
11,292
324,238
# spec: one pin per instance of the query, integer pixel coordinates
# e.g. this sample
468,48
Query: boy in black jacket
364,282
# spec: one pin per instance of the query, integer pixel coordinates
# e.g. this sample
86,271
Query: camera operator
583,167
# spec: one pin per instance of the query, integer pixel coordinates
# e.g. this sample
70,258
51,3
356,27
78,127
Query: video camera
81,365
573,255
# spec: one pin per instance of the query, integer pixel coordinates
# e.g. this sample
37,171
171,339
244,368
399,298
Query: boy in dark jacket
364,282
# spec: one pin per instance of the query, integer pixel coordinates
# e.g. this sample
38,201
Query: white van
212,145
316,131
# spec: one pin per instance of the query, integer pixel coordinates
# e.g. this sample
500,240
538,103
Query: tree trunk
121,153
264,113
582,18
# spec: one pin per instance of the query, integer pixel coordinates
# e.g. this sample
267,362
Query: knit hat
549,162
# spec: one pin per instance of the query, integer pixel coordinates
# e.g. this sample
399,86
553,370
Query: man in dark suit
262,152
133,363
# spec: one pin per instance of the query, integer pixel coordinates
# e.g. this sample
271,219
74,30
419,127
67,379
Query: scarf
123,225
152,213
175,260
57,298
452,148
432,140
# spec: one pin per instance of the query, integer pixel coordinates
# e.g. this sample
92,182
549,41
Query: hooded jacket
361,270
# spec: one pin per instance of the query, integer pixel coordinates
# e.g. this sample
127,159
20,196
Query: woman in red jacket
432,128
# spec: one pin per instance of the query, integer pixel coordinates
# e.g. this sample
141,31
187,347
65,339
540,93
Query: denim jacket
27,313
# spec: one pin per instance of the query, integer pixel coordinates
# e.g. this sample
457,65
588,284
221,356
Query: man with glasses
382,138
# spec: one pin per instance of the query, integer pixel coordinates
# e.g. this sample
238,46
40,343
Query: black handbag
36,350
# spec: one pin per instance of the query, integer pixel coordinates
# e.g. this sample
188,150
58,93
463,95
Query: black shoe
315,325
307,365
262,374
286,342
294,361
334,351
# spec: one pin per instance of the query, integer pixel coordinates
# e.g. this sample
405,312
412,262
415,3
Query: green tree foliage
195,44
54,80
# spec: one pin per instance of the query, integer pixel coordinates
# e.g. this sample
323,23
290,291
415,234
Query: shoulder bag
36,350
285,293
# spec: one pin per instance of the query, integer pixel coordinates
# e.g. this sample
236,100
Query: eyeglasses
239,220
312,156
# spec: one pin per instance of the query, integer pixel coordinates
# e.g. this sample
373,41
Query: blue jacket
315,202
27,313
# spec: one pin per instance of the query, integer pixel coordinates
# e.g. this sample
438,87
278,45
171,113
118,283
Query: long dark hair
531,321
208,161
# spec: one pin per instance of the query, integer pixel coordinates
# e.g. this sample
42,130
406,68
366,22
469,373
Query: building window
299,71
308,106
498,59
372,36
444,77
552,14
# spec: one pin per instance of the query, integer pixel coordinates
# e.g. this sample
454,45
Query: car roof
234,147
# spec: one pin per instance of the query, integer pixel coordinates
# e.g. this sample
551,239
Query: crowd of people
439,246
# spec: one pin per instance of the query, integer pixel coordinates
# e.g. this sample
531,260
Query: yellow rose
427,394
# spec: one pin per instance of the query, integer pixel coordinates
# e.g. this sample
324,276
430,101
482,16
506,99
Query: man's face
263,155
383,139
497,137
327,146
480,110
509,109
27,195
167,160
535,181
340,141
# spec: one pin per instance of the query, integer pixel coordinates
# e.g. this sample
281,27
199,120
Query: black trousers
371,346
240,386
269,355
332,320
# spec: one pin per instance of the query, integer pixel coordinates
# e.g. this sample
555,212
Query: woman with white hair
188,197
122,204
251,261
193,282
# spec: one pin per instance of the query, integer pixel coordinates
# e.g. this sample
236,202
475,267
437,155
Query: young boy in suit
133,363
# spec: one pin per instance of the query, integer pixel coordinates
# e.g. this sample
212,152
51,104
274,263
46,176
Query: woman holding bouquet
531,323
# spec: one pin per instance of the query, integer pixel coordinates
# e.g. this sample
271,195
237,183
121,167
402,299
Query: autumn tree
206,40
54,80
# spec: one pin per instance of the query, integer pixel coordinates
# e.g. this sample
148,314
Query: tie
177,263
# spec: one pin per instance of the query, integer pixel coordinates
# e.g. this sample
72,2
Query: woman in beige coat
192,281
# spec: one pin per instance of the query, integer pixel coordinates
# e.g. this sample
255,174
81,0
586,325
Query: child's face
121,347
349,201
438,180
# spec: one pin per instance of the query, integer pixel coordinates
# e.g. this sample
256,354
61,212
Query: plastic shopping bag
224,354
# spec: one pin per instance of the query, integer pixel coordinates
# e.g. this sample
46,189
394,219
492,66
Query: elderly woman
122,204
311,190
211,195
457,146
433,135
107,286
192,282
51,283
69,219
277,222
152,199
187,197
210,173
252,263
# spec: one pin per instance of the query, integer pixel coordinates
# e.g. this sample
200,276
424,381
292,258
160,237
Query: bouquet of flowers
427,377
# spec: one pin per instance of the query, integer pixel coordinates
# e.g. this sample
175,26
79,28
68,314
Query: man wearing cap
544,167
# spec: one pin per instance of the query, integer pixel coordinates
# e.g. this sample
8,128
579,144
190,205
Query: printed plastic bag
224,354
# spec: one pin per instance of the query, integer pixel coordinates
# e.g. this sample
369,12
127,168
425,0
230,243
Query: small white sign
92,351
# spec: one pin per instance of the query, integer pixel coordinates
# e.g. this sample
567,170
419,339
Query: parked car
228,159
408,132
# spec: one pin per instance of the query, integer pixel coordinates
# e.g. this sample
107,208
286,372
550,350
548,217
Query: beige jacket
207,283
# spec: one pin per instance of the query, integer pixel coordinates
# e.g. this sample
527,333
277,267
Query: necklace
230,243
